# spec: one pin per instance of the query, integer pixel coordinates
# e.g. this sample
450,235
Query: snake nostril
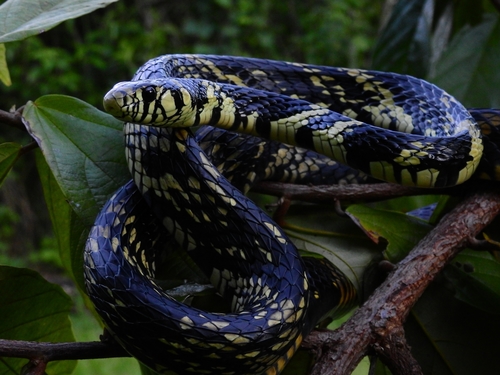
149,94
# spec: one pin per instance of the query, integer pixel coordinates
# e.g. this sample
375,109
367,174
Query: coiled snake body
276,296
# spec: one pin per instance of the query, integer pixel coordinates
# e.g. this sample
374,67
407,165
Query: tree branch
365,192
13,119
46,351
377,325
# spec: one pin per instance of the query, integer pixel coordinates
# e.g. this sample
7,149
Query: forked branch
377,326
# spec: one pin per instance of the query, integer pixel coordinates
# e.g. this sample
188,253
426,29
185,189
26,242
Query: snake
324,124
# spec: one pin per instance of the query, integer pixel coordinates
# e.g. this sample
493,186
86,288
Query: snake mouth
111,103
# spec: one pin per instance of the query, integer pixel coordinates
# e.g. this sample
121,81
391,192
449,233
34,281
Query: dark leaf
468,68
476,278
9,152
405,43
448,336
33,309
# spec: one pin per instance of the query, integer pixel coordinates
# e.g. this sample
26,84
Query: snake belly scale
276,296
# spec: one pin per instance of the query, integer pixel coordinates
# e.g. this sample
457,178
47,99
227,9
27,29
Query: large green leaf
59,210
84,151
9,152
32,309
20,19
468,68
69,230
83,147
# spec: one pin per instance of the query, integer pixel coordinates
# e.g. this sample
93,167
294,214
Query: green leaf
471,74
476,277
4,70
321,231
69,231
9,152
401,231
33,309
448,336
404,45
20,19
59,210
83,147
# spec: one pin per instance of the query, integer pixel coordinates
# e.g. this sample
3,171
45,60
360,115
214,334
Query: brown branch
330,193
46,351
13,119
376,327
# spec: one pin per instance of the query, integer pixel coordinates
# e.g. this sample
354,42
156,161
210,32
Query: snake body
419,126
276,296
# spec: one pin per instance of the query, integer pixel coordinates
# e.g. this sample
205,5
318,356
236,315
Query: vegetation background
453,43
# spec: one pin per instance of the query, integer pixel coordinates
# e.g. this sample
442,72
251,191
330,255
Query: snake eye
149,94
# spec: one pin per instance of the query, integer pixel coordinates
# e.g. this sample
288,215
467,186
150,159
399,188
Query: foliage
90,54
28,315
81,161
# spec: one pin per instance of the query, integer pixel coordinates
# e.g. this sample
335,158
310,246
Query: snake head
161,102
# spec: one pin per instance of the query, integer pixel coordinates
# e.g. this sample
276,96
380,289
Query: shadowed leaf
404,45
476,277
448,336
9,152
33,309
471,74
